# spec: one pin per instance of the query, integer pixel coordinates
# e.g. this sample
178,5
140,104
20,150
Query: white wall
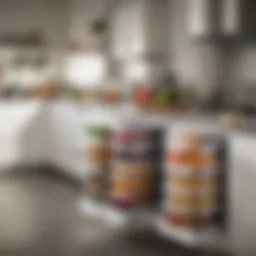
83,14
48,16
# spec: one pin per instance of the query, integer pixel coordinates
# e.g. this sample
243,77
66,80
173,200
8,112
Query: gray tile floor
39,216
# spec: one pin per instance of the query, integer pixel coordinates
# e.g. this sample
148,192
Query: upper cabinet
201,20
214,18
231,17
139,28
47,18
222,19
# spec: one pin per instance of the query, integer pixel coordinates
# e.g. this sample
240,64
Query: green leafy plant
99,131
167,95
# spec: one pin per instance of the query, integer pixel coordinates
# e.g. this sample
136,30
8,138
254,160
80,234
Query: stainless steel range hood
213,18
231,17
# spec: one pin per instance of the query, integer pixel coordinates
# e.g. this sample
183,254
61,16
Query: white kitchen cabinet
140,28
23,134
50,18
242,190
200,18
231,16
208,18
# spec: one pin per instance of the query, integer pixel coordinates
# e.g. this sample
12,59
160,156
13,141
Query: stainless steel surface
208,18
231,15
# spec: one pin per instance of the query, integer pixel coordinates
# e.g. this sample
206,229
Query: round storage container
191,181
99,148
133,167
98,155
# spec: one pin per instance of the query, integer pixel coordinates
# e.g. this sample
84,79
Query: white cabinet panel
242,196
199,17
22,133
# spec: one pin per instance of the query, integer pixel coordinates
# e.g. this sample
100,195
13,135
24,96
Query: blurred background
127,126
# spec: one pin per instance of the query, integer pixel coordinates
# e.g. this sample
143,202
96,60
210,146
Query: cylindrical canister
98,154
133,167
99,148
191,181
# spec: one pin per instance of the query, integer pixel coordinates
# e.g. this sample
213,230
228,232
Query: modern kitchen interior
128,127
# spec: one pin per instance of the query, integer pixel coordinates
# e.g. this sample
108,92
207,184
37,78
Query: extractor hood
214,18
